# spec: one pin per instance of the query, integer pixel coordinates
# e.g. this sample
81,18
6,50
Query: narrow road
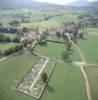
39,73
88,91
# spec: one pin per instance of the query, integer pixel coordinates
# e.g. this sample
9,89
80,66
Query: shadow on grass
49,88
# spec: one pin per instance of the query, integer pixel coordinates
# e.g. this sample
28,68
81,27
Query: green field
66,83
92,73
89,48
5,46
36,17
54,50
11,72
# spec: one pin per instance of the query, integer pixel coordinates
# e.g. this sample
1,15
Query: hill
24,4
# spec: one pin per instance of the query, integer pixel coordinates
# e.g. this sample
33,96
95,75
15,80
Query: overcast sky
62,1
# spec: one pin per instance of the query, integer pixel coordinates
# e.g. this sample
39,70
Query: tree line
4,38
11,50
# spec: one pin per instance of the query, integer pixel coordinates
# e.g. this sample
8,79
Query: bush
1,24
4,38
13,50
9,51
7,39
16,40
1,54
65,55
43,42
18,48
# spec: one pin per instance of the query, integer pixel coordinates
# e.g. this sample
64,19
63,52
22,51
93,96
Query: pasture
65,82
55,50
89,48
11,72
92,73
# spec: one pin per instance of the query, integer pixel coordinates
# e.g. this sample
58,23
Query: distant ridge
24,4
7,4
78,3
84,3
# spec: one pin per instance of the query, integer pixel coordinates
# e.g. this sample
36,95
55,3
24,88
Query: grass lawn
5,46
92,73
90,48
11,72
54,50
66,83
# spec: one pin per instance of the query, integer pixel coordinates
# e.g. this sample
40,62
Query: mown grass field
55,50
11,72
92,73
89,47
65,82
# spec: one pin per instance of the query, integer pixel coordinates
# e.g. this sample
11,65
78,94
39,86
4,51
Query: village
48,54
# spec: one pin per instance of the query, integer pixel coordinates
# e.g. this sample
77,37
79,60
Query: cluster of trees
11,50
14,23
4,38
67,52
8,30
69,23
88,20
13,30
43,38
1,24
26,42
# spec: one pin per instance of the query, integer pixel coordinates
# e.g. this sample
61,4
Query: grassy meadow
65,82
92,73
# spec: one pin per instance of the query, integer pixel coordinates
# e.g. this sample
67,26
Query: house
31,33
64,28
67,30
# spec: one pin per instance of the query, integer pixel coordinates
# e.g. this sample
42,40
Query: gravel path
88,91
2,59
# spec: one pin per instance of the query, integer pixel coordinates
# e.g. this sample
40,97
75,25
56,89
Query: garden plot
32,84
